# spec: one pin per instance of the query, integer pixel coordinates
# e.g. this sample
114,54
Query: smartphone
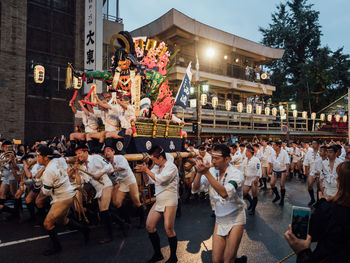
300,221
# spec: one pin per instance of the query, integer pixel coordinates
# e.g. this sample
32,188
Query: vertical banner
183,93
93,40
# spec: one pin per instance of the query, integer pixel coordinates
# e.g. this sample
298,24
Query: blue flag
183,93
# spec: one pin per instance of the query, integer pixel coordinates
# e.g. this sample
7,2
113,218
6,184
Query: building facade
49,33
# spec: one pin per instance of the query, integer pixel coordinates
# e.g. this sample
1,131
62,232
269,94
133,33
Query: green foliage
309,74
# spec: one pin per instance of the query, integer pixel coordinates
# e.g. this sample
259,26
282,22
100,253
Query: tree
309,74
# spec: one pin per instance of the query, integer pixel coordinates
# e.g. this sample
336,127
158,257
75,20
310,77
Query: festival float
140,70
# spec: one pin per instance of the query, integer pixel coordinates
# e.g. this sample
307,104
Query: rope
287,257
80,209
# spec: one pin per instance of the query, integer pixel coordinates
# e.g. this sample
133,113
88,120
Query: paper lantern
313,116
77,82
337,118
263,76
295,113
282,112
329,117
228,104
267,111
345,118
274,111
193,103
204,99
249,108
304,114
322,117
214,102
239,106
39,74
258,109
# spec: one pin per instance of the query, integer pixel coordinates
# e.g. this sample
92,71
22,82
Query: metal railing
113,18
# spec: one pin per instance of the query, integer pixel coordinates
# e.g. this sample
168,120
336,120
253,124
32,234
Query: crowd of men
62,181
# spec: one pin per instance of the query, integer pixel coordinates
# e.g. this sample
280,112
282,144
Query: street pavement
262,241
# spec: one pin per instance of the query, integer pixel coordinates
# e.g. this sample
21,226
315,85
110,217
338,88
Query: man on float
124,181
90,121
56,185
98,169
227,184
166,177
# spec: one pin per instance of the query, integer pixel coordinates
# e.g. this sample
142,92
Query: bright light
281,107
205,87
210,52
225,57
293,107
237,60
192,90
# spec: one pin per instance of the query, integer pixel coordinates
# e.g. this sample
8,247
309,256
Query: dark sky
241,18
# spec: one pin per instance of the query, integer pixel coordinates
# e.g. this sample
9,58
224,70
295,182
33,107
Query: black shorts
278,174
122,132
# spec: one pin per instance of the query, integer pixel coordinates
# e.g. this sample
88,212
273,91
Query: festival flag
183,93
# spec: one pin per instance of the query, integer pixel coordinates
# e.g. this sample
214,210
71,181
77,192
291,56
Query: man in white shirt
311,159
236,157
166,177
97,169
264,155
279,167
56,184
329,172
227,184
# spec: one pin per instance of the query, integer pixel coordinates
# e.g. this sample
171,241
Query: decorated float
140,69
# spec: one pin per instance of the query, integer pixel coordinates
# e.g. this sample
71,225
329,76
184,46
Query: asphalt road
263,239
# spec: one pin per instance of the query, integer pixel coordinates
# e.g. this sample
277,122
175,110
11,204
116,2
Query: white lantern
193,103
329,117
239,106
274,111
295,113
249,108
228,104
345,118
204,99
282,112
304,114
214,102
39,74
322,116
258,109
337,118
267,111
313,116
77,82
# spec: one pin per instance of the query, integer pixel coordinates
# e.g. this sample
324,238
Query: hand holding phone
300,221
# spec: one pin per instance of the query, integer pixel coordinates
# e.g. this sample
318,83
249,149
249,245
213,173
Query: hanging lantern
329,117
249,108
228,105
322,117
214,102
345,118
282,112
77,82
313,116
295,114
240,107
263,76
304,114
267,111
204,99
274,111
258,109
39,74
337,118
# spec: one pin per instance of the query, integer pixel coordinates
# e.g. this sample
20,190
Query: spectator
329,226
